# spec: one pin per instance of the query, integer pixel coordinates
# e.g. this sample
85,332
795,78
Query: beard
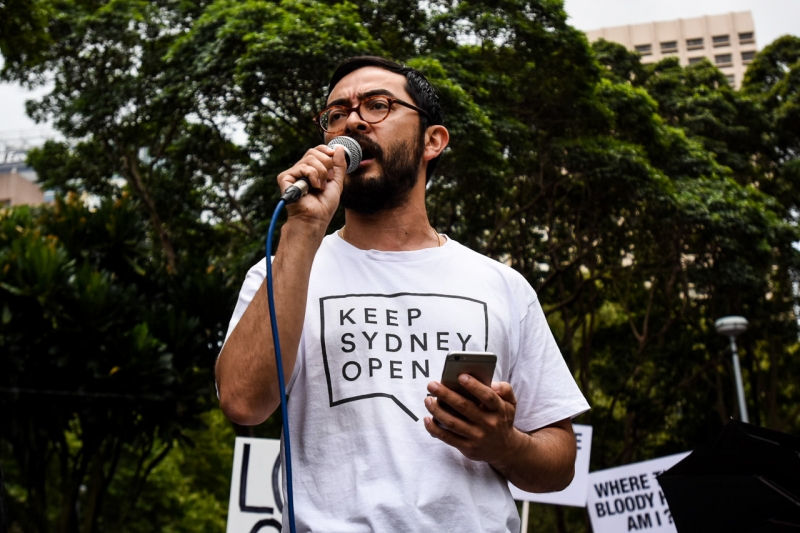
399,165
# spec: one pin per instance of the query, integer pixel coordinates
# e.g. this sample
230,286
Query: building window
694,44
695,60
669,46
746,38
747,57
721,40
723,60
731,79
644,49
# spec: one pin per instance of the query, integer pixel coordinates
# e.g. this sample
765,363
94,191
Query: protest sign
256,496
629,498
575,493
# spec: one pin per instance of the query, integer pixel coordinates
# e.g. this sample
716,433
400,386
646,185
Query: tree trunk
135,178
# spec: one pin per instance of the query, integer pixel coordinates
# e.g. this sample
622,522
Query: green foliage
188,491
641,201
23,31
106,359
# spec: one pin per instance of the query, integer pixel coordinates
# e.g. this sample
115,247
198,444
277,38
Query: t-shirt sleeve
253,280
545,389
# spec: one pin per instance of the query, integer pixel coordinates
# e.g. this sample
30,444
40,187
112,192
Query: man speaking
367,316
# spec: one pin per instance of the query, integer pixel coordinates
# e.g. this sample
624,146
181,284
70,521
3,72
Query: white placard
629,498
256,493
575,493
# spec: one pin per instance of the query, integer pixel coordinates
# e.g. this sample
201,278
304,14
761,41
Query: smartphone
479,365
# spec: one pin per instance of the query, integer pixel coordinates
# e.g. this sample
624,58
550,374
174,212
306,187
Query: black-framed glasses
372,110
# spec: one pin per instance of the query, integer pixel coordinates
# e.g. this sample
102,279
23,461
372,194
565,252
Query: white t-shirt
378,326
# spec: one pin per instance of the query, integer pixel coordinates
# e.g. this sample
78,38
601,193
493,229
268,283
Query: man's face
392,149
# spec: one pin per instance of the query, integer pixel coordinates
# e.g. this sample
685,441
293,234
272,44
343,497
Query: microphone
352,153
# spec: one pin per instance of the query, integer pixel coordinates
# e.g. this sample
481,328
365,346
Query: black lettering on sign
619,507
628,504
413,314
243,507
391,317
648,497
368,315
276,484
640,522
602,489
600,509
268,522
622,486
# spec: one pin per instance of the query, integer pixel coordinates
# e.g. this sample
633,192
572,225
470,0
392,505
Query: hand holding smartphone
479,365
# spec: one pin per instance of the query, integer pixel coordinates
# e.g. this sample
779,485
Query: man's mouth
367,156
370,150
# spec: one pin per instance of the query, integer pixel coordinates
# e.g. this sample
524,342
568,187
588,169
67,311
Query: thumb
339,164
504,390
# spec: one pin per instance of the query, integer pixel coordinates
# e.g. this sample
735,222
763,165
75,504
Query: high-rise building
728,41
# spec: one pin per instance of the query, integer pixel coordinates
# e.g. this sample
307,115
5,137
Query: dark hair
417,86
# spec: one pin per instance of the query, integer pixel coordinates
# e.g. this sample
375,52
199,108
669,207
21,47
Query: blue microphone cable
291,195
287,446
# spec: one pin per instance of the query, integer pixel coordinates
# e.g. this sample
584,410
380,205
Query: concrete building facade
16,189
17,179
728,41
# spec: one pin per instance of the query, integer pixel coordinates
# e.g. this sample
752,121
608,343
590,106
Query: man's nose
355,123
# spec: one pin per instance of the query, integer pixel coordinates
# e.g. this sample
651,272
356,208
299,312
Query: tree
106,358
23,31
640,201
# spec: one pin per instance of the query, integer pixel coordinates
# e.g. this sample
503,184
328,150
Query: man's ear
436,140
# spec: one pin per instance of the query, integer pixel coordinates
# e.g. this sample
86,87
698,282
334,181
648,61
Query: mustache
368,145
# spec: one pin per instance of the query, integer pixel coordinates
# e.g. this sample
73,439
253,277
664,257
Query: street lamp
733,326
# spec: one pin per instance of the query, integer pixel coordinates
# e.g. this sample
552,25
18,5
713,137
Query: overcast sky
773,18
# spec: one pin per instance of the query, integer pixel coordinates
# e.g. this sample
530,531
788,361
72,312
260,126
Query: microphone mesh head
351,149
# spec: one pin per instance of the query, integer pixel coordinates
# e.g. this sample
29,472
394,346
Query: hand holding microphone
300,188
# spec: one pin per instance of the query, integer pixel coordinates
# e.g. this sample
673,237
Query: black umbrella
746,481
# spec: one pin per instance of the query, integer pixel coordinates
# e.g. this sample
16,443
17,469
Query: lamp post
732,327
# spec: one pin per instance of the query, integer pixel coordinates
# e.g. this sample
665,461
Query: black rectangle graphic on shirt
374,345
